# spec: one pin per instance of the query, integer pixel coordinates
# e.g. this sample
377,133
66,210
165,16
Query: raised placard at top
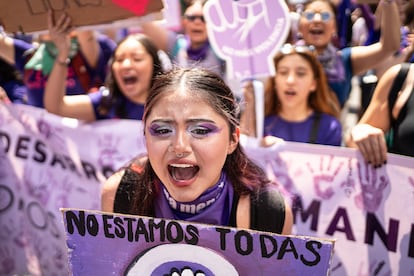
31,15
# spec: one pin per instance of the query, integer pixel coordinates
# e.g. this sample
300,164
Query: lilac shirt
329,130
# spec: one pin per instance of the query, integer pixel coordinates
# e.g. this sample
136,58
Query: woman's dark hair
409,13
244,175
9,73
115,96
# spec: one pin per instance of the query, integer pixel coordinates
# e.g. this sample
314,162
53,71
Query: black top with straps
267,206
403,126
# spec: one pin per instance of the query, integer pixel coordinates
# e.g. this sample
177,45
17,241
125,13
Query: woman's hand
371,142
269,141
59,31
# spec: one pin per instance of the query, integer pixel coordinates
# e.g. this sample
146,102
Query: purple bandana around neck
332,63
199,53
212,207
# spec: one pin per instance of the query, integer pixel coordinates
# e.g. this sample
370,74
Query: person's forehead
131,44
183,109
195,9
319,6
181,97
293,60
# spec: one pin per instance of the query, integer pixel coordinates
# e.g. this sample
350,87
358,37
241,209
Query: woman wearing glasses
190,48
317,26
299,107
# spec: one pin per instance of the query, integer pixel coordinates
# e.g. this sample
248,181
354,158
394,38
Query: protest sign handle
259,107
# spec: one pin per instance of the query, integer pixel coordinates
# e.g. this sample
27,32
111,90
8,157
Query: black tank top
403,126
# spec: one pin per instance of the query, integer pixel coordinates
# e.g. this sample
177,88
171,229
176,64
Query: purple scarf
212,207
199,53
332,63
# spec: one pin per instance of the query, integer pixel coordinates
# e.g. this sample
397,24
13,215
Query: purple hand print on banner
247,33
36,186
279,169
52,134
325,177
7,263
109,155
12,230
372,188
65,187
349,184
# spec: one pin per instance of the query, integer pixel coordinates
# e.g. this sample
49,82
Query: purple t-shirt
15,90
329,131
35,80
130,110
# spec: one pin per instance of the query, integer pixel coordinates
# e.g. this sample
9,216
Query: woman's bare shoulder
109,189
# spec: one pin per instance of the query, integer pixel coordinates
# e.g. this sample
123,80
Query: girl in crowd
317,27
86,60
299,106
190,48
133,66
391,107
195,159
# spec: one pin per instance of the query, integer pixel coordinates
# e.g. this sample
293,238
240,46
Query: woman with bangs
317,27
299,107
134,64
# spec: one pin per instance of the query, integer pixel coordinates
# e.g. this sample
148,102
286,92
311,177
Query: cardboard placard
113,244
31,15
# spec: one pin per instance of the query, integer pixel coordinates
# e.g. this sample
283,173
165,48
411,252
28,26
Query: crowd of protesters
88,75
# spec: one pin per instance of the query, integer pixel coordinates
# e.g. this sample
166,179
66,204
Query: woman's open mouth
182,172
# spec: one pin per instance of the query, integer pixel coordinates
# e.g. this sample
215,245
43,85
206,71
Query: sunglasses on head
310,15
193,18
289,49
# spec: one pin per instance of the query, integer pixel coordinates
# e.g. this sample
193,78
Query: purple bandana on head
199,53
212,207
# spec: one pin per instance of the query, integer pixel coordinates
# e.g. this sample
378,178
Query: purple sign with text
114,244
247,33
